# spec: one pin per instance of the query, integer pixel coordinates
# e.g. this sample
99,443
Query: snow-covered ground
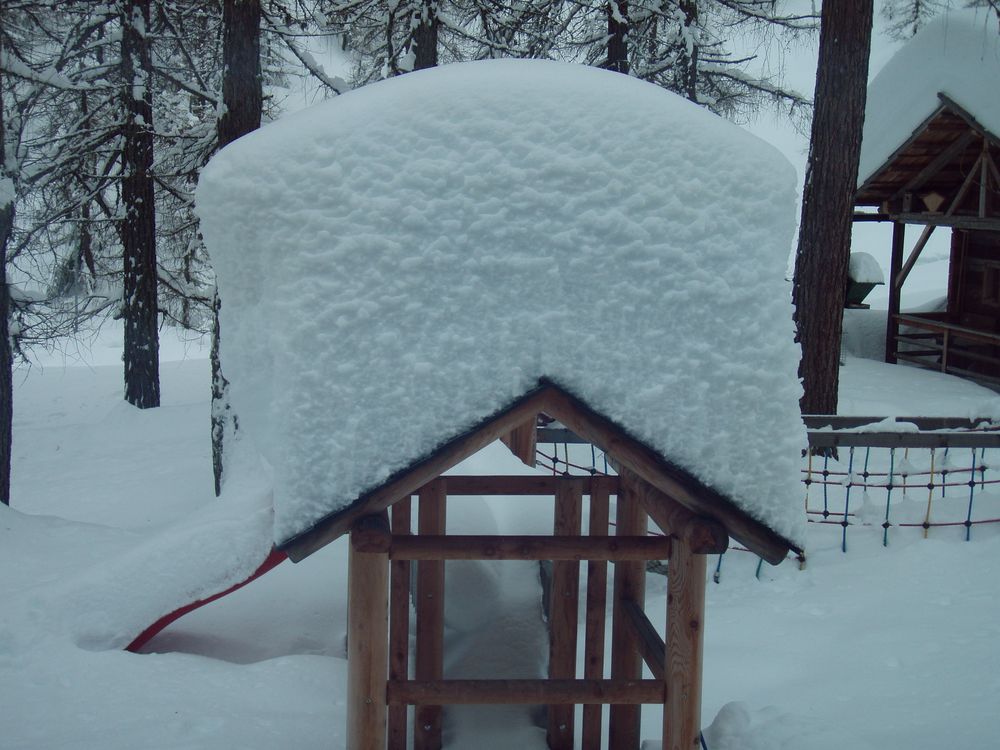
881,647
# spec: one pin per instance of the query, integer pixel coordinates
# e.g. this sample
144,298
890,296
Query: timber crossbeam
506,692
485,547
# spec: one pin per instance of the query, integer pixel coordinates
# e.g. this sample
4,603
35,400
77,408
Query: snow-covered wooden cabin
421,267
930,156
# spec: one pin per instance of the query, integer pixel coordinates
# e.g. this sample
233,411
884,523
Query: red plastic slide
273,559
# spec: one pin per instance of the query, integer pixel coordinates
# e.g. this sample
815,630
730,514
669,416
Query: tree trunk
6,355
688,63
618,36
242,94
425,37
138,228
828,200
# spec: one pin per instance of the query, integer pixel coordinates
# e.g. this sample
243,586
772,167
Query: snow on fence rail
908,472
899,474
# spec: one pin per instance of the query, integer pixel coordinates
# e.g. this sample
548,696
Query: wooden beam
529,484
521,441
596,618
371,533
911,260
399,624
704,535
685,636
429,661
567,548
651,646
414,477
935,165
629,585
507,692
367,647
895,264
956,221
670,480
563,613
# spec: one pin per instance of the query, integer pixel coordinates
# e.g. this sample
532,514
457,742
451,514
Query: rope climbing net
943,475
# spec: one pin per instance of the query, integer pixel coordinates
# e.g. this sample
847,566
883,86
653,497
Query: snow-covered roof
956,54
402,262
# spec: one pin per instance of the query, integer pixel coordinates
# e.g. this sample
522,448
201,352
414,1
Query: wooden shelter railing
938,344
381,686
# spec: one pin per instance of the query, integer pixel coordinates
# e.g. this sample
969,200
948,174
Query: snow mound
107,604
864,269
957,54
400,263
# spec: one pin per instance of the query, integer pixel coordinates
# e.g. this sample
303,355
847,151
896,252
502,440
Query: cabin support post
684,642
895,268
367,639
626,661
429,657
563,611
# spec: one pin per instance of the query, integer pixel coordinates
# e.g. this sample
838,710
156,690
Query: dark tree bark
242,94
6,354
425,36
827,202
688,64
242,91
618,36
138,228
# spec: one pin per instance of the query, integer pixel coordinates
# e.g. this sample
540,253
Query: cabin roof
930,109
404,263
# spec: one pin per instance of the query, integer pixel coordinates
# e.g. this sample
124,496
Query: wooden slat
704,535
429,657
685,635
505,692
673,482
937,163
399,624
596,617
650,644
413,478
536,484
521,441
367,648
629,585
484,547
564,604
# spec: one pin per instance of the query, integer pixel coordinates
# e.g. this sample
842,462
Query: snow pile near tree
956,54
404,261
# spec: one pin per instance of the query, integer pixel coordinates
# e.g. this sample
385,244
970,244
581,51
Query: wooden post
399,624
597,585
685,634
895,266
563,611
367,645
626,662
430,616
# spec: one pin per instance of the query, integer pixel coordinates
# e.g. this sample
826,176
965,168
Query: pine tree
138,226
827,204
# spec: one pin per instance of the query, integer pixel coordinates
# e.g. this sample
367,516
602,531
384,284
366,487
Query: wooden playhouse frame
695,519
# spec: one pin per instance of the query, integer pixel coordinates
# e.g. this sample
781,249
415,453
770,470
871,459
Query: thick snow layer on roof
400,263
957,54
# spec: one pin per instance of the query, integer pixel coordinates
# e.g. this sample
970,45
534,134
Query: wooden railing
941,345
